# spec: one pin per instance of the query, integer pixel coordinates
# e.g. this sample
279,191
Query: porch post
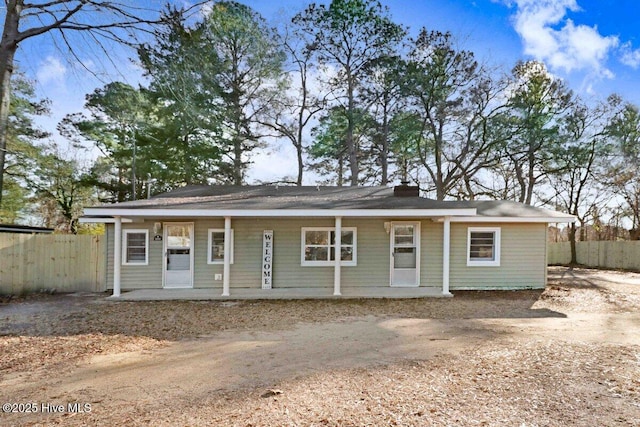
337,265
117,255
227,256
445,255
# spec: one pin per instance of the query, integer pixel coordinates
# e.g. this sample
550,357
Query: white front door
178,255
405,254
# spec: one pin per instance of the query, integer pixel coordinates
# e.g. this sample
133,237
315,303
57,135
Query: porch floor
279,293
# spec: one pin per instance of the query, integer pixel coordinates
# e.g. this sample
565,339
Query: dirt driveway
567,356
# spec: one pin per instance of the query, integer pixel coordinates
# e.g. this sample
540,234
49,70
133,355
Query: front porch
279,293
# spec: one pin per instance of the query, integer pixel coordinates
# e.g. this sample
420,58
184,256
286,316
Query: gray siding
204,273
372,268
246,269
373,255
136,276
431,241
522,261
373,258
287,271
523,252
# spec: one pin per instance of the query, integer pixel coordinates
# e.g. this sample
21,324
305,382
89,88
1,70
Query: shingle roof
269,197
506,208
25,229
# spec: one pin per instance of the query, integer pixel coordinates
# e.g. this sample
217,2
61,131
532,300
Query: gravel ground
568,355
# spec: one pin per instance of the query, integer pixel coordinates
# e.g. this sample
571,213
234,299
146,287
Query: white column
445,255
227,257
117,255
337,265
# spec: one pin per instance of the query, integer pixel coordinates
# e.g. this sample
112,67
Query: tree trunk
531,174
301,123
188,170
120,187
67,212
572,243
384,155
298,143
440,193
300,165
133,168
8,47
352,150
237,160
521,181
438,144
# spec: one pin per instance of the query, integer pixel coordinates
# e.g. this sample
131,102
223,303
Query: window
216,246
318,246
483,245
136,245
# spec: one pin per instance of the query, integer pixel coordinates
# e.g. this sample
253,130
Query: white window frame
125,242
306,263
495,262
210,241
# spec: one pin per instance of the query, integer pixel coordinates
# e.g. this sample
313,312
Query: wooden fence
67,263
604,254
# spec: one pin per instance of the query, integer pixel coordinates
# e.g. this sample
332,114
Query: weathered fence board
605,254
66,263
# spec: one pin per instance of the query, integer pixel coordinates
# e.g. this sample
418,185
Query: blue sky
594,45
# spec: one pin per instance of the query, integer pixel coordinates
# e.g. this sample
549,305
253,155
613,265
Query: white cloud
629,56
549,36
51,70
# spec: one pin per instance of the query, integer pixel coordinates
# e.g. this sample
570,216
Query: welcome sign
267,259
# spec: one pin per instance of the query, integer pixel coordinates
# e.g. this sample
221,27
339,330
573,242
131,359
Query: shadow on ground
63,315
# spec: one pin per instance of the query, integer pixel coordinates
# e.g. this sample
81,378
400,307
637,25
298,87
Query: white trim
117,256
226,269
446,255
338,258
248,213
328,263
546,254
513,219
125,240
495,262
103,220
497,288
416,237
209,233
165,249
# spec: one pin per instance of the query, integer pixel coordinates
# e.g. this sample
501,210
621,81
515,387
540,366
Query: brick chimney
406,190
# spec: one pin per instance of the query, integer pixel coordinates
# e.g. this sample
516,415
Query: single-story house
266,241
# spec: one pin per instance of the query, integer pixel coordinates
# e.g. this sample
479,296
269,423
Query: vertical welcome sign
267,259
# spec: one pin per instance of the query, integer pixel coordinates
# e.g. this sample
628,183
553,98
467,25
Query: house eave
515,219
102,219
107,213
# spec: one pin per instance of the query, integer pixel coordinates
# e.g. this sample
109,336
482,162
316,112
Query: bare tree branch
103,19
